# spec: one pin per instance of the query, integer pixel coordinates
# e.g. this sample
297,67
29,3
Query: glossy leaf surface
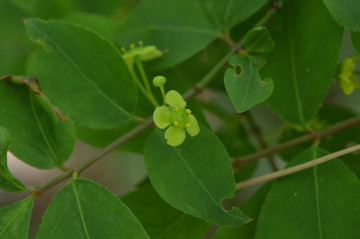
194,177
246,89
7,181
227,13
159,219
182,30
82,73
39,138
304,59
84,209
314,203
15,219
345,12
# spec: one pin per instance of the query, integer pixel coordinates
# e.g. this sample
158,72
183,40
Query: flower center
179,117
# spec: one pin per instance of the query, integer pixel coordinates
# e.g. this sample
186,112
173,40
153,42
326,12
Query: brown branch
303,139
296,168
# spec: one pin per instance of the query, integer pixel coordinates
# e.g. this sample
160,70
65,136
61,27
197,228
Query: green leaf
259,40
355,39
40,139
194,177
15,219
247,89
160,220
228,13
252,208
304,59
345,12
84,209
313,203
83,74
179,27
7,181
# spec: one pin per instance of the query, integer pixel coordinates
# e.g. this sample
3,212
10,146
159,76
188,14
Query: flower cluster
177,118
346,78
145,53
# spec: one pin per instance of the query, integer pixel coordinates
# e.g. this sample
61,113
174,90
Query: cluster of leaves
85,90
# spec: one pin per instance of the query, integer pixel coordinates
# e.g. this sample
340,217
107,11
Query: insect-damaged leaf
39,137
247,89
194,177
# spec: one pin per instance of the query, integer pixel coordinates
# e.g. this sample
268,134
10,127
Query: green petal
346,85
174,136
194,128
162,117
354,81
150,53
174,99
348,66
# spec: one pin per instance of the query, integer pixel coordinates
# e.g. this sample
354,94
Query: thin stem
259,137
145,78
85,164
163,93
142,89
296,168
303,139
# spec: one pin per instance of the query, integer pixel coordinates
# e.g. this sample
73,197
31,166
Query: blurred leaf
83,74
345,12
15,219
302,74
227,13
252,208
40,139
259,40
7,181
313,203
84,209
160,220
14,45
102,25
355,38
194,177
235,138
179,27
246,89
104,7
44,8
245,172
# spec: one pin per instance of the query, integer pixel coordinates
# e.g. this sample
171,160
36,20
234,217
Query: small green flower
346,78
177,118
145,53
